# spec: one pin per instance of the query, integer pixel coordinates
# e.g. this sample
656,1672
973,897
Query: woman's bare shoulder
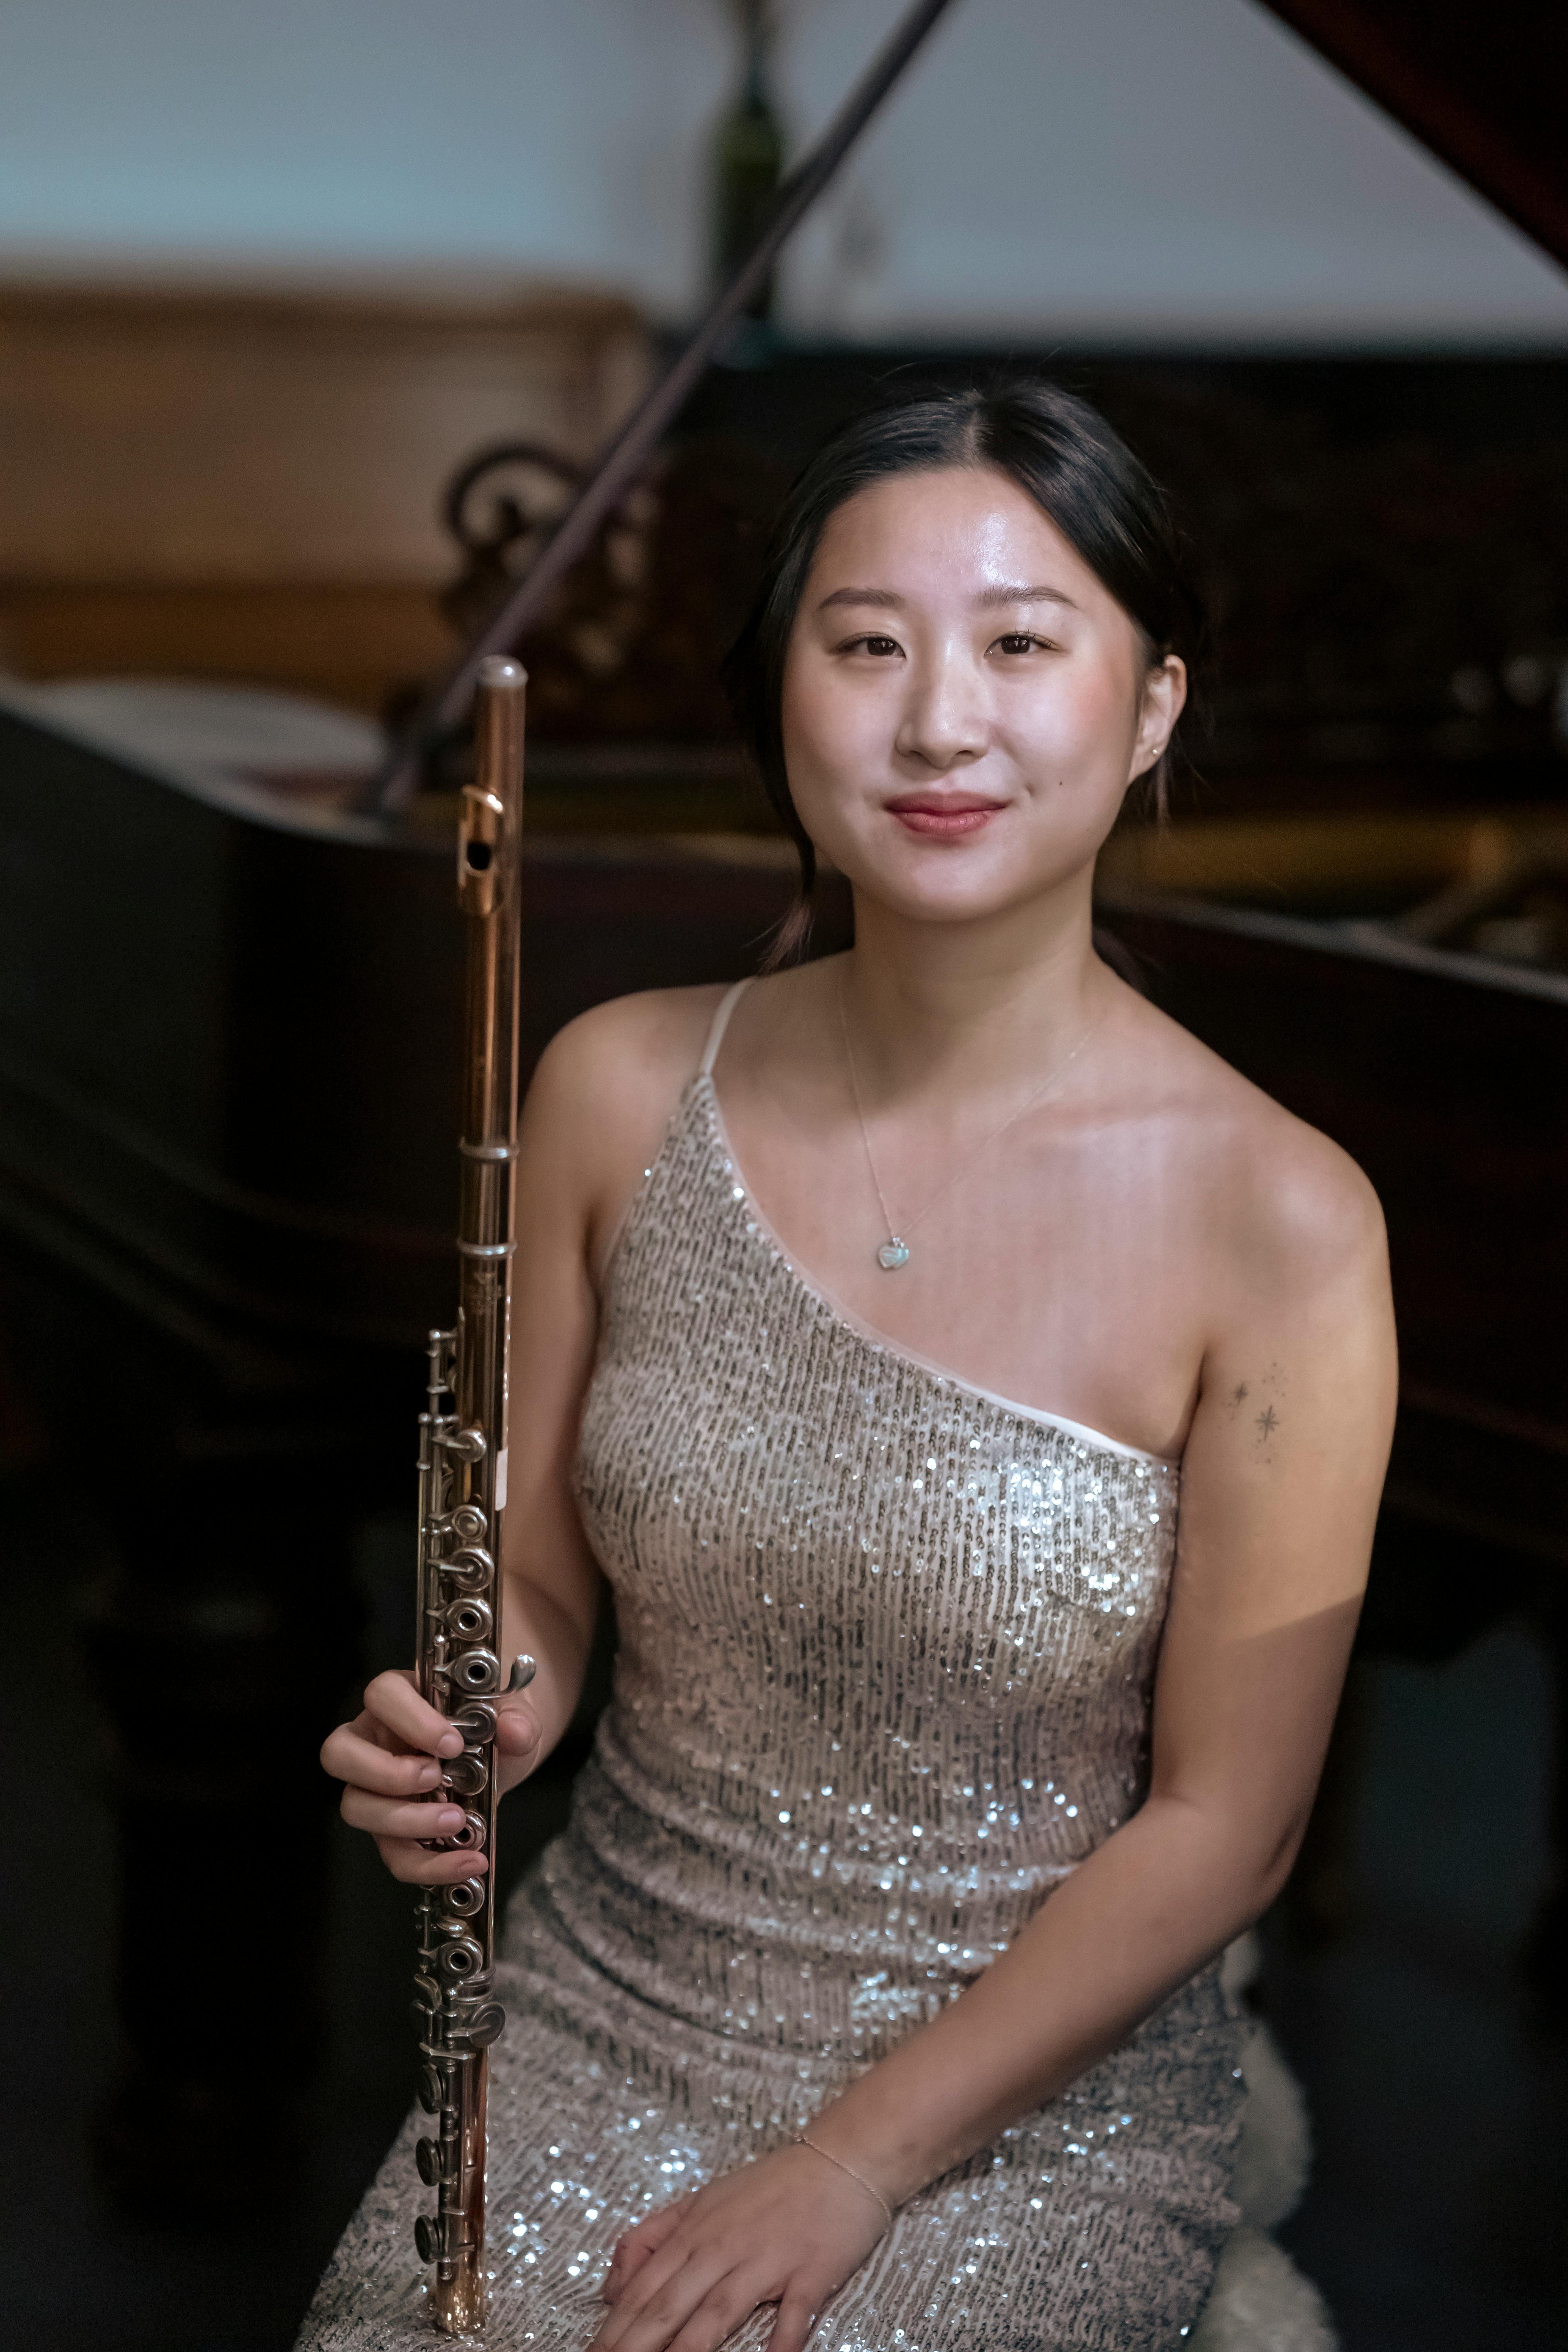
656,1036
1281,1200
607,1083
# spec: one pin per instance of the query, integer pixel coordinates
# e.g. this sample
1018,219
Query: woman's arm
1280,1482
594,1115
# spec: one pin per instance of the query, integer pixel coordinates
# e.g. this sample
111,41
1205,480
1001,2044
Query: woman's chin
964,881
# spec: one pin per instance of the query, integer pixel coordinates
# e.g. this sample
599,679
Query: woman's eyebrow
883,597
1007,595
888,599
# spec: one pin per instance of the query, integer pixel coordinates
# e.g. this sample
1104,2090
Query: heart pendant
893,1255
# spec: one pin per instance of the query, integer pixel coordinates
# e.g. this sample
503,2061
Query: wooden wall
222,482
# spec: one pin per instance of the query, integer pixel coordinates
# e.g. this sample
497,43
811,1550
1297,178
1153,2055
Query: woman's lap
1094,2224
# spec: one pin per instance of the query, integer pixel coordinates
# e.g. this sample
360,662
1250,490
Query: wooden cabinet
246,482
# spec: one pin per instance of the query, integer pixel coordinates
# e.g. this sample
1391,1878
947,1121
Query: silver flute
462,1502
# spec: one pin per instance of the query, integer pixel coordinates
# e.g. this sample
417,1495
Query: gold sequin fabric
886,1651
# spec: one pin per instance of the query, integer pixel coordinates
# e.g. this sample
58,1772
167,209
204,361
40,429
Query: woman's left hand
788,2230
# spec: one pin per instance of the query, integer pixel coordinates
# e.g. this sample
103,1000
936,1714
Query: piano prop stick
462,1504
623,463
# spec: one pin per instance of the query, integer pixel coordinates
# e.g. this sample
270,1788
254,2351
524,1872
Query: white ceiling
1116,170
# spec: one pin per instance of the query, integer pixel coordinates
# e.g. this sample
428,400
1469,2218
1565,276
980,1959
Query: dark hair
1061,452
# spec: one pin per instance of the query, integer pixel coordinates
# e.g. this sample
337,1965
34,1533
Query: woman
873,1322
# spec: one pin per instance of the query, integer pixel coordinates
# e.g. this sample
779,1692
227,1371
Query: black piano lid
1481,86
228,1085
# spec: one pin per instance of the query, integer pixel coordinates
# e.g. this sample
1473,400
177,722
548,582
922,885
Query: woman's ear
1165,698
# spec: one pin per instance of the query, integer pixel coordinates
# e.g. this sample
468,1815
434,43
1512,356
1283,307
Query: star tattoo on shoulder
1266,1423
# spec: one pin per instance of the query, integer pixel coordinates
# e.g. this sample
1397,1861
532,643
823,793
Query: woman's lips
944,816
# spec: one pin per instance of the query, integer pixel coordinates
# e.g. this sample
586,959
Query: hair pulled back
1060,452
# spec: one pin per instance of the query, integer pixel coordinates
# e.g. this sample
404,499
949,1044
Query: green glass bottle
748,161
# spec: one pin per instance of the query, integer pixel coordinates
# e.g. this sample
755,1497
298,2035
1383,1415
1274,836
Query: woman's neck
971,1009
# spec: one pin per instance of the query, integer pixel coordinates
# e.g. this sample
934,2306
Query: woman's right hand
389,1759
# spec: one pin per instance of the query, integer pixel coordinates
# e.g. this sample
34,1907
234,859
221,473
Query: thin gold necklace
895,1251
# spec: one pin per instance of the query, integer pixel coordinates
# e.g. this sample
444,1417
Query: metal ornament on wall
526,489
630,642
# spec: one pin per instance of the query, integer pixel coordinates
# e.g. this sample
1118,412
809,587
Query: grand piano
228,1016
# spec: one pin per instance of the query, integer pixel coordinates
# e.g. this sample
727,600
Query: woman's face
964,703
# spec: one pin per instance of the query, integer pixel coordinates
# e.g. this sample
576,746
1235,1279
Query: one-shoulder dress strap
727,1004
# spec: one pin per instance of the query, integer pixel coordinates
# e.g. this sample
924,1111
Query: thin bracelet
802,2140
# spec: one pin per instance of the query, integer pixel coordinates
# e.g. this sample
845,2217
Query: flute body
462,1503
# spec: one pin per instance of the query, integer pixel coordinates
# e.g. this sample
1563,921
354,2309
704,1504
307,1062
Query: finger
639,2320
793,2328
415,1868
349,1756
627,2262
656,2230
635,2244
517,1730
393,1700
384,1817
717,2316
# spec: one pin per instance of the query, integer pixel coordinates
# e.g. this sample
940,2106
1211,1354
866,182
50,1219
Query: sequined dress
886,1643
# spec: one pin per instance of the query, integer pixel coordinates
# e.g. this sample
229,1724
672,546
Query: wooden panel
197,437
348,645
